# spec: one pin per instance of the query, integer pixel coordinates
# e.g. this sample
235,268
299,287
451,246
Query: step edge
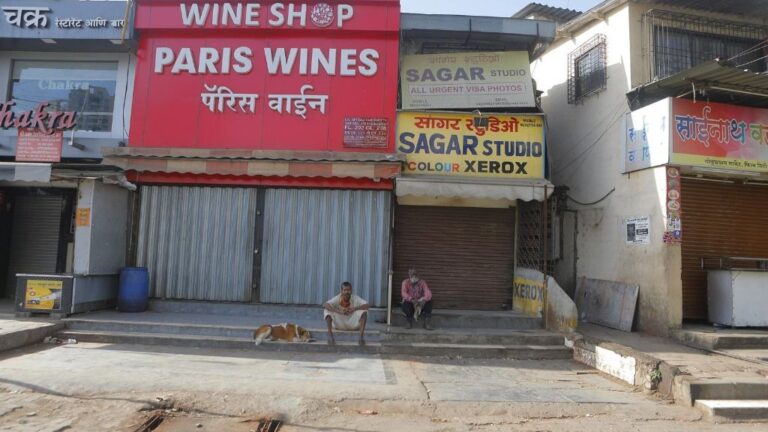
212,338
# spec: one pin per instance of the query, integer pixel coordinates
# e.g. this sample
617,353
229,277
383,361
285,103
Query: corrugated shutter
36,235
316,239
718,220
466,255
197,242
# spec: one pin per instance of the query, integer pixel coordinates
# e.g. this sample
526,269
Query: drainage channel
151,423
159,417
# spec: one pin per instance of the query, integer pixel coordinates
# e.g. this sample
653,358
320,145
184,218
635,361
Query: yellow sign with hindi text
497,146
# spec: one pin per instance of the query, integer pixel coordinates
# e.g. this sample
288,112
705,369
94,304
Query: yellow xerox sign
528,292
498,146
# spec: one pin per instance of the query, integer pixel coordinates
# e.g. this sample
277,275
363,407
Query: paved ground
92,387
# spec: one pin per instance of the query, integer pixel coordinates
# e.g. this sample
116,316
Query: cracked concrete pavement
93,387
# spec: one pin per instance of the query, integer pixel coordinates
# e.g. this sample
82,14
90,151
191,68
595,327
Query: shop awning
25,172
234,162
524,190
721,80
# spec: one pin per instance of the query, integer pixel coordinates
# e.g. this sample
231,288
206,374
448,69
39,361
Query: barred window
679,42
587,69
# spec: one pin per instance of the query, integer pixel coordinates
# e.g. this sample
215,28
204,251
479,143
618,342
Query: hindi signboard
719,136
64,19
453,145
467,80
38,146
306,76
647,137
362,132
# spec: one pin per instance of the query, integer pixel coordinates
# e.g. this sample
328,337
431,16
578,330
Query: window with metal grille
587,69
680,41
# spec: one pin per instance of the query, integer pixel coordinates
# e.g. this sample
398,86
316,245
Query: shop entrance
36,233
465,254
719,219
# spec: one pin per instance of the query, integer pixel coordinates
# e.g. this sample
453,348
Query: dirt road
101,387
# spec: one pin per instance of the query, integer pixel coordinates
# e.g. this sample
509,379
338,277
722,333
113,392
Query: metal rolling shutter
465,254
197,242
316,239
719,220
36,235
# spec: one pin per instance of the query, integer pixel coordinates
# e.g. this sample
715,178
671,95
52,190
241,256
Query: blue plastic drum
133,294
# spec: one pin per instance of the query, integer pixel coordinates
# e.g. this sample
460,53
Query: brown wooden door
466,255
718,220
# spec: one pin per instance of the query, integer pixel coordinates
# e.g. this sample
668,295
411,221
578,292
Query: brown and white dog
284,332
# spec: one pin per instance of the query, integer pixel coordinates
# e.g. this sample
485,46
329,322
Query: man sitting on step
416,295
346,311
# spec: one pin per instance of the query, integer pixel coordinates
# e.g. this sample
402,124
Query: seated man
415,292
346,311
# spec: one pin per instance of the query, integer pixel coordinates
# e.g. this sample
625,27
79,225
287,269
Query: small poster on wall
638,230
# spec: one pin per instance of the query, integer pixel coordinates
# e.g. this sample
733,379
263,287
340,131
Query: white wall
586,148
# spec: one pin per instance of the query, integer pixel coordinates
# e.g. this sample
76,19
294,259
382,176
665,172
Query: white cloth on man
346,322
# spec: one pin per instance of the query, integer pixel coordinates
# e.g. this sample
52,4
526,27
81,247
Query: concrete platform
214,325
683,373
213,342
15,333
468,319
475,336
714,338
205,325
724,388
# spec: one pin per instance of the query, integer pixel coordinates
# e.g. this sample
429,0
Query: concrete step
291,313
518,352
733,410
717,339
205,330
721,389
16,333
344,346
474,337
458,319
215,342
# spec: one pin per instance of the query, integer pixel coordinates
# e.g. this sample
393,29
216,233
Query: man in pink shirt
415,293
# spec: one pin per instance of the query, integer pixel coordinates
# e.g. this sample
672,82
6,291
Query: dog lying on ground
284,332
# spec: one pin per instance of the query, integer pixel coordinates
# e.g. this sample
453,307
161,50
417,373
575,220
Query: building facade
469,201
67,76
656,132
268,150
262,144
